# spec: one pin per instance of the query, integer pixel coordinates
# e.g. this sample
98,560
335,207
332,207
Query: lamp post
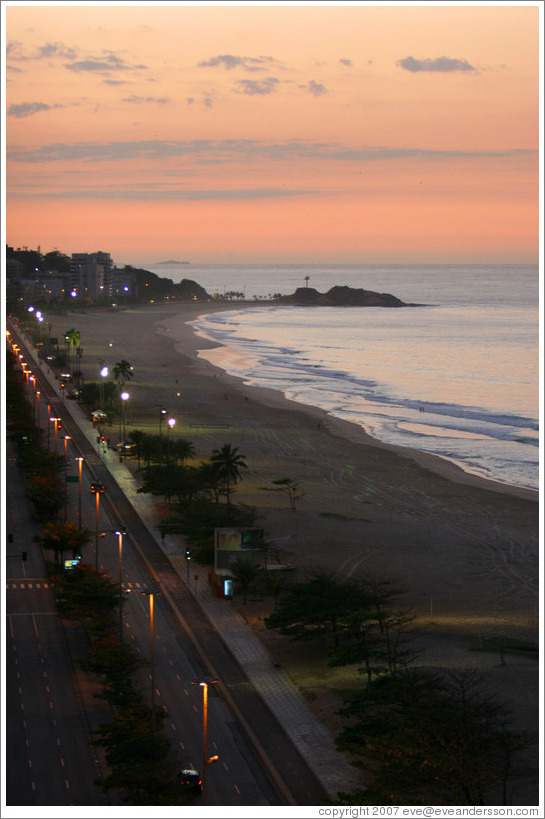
124,397
151,594
170,424
120,534
66,439
162,413
205,761
55,421
104,374
98,490
80,461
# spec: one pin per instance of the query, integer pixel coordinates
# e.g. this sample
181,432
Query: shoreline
458,543
351,430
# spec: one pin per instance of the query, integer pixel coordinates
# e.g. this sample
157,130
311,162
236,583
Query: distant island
173,261
341,296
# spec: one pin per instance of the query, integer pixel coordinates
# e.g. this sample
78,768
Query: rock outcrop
341,296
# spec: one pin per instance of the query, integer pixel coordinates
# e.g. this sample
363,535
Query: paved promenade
311,738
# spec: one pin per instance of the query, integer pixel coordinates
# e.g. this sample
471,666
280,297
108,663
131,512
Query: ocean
456,376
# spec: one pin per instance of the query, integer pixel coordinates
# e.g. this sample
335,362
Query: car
190,780
98,488
126,448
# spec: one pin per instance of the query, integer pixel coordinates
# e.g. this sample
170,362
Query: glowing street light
124,397
56,422
98,489
80,461
171,423
120,533
104,374
151,594
206,761
66,439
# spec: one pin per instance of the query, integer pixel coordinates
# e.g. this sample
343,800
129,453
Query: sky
277,133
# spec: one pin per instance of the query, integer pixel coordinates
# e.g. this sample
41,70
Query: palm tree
63,535
72,338
123,372
182,449
244,572
228,463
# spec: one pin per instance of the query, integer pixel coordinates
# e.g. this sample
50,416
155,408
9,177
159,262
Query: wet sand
464,549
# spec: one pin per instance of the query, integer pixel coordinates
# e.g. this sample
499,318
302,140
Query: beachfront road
49,759
185,643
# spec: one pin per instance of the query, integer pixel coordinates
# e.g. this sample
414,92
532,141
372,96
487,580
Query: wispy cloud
159,193
230,61
14,51
136,100
104,64
259,87
445,64
28,109
218,151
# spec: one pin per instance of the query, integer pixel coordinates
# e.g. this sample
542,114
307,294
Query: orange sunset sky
274,133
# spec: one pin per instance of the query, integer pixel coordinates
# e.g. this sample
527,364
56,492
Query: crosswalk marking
44,585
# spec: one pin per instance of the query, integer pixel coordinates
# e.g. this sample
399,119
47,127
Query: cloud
14,51
230,61
259,87
315,88
444,64
146,194
28,109
56,50
206,101
134,99
347,63
105,64
218,151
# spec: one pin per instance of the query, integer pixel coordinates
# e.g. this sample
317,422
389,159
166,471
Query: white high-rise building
91,275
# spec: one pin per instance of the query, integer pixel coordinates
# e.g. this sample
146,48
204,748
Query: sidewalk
312,739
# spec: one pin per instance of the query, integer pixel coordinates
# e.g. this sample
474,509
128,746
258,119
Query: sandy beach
465,549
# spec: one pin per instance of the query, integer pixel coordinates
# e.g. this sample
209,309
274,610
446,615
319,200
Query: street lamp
80,460
170,424
120,533
162,413
124,397
151,594
66,439
205,760
104,374
98,489
56,422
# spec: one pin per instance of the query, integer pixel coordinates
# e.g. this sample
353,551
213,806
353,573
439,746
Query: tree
428,737
123,372
292,490
55,260
315,608
62,536
88,597
181,450
228,462
46,495
244,571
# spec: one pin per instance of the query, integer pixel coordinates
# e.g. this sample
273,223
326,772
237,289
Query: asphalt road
267,771
49,759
